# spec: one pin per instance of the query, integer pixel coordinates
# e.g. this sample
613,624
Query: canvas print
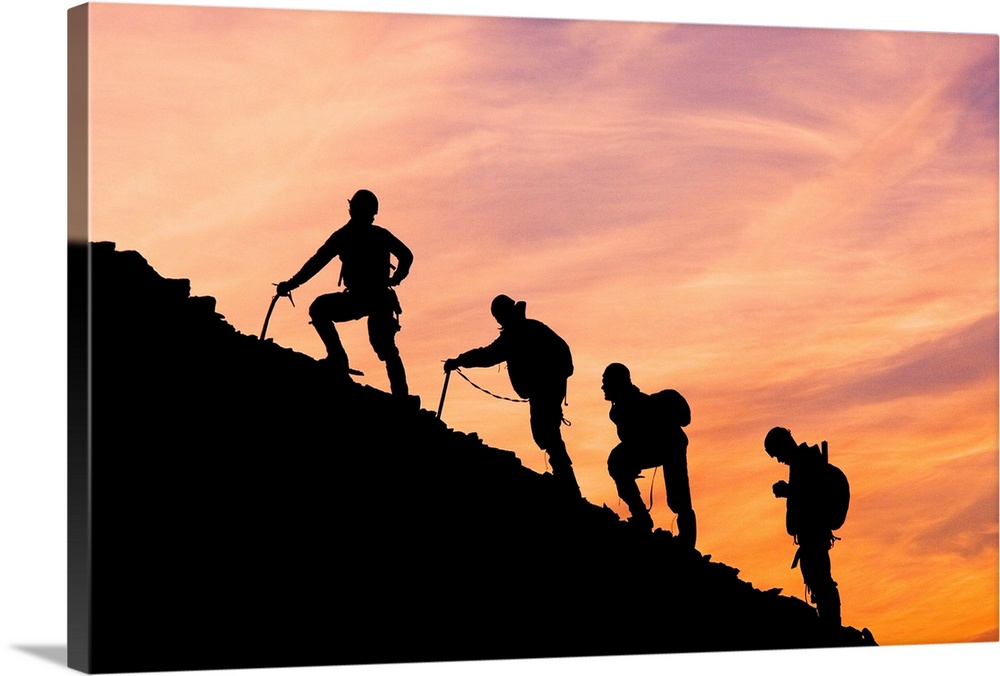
403,338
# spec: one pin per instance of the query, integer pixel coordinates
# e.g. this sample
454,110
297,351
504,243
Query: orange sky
793,227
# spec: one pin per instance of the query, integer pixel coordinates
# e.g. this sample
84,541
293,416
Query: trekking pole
444,390
270,309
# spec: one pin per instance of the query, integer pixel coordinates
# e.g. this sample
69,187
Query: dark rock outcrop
247,513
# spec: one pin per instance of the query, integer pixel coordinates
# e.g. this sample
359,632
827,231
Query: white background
33,330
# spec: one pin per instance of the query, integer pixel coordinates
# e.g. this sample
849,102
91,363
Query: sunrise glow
792,227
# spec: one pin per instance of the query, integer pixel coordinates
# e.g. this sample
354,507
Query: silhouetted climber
648,439
806,517
366,272
539,364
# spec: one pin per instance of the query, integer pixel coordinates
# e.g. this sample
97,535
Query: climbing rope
564,421
650,508
481,389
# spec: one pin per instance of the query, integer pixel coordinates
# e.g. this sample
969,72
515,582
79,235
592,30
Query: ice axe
270,309
444,390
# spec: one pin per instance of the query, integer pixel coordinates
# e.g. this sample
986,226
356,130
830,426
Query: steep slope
246,513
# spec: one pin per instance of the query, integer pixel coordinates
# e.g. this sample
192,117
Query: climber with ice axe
368,275
539,364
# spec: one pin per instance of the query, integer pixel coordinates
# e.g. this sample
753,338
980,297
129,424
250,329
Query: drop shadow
57,654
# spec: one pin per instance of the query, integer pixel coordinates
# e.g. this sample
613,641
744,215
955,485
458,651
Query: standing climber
364,249
806,508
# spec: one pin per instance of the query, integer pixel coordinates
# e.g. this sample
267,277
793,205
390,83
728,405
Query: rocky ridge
247,513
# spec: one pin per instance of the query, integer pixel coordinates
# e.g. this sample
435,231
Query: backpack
672,408
562,358
838,493
552,349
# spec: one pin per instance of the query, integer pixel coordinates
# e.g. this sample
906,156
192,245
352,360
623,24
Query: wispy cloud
798,226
